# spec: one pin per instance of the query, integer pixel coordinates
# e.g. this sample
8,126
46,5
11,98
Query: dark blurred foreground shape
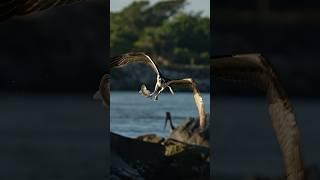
286,32
58,50
19,8
254,69
51,64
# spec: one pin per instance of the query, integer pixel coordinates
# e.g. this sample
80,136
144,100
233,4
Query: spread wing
189,82
104,91
133,57
9,8
254,69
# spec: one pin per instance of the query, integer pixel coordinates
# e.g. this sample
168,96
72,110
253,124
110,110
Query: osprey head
144,91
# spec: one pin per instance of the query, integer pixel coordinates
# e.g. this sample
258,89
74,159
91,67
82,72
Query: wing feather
133,57
254,69
189,82
104,91
10,8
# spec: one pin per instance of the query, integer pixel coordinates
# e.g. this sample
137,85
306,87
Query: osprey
161,82
140,57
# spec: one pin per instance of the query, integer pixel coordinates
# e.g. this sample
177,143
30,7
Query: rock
153,138
153,157
121,170
190,133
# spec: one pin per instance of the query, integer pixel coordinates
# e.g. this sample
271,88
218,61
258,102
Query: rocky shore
153,157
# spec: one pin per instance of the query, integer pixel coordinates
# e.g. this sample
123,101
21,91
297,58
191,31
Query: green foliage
125,27
163,30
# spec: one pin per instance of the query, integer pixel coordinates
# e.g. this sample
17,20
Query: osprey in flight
161,82
139,57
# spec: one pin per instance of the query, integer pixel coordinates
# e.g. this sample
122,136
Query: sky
193,5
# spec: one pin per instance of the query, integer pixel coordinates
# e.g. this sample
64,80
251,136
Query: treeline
163,30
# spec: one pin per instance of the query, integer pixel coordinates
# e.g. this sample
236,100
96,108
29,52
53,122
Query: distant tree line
163,30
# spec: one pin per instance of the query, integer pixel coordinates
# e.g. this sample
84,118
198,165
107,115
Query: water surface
133,115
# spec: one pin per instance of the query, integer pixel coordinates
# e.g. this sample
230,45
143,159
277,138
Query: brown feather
133,57
189,82
254,69
12,8
104,91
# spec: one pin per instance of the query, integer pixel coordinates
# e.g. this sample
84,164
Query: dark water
133,115
243,139
52,137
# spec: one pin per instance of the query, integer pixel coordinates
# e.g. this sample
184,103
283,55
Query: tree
184,38
127,26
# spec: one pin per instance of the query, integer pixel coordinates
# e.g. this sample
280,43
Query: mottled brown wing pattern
10,8
254,69
104,91
240,68
132,57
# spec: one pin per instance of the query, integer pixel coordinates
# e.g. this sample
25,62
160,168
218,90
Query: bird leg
156,96
155,90
171,90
